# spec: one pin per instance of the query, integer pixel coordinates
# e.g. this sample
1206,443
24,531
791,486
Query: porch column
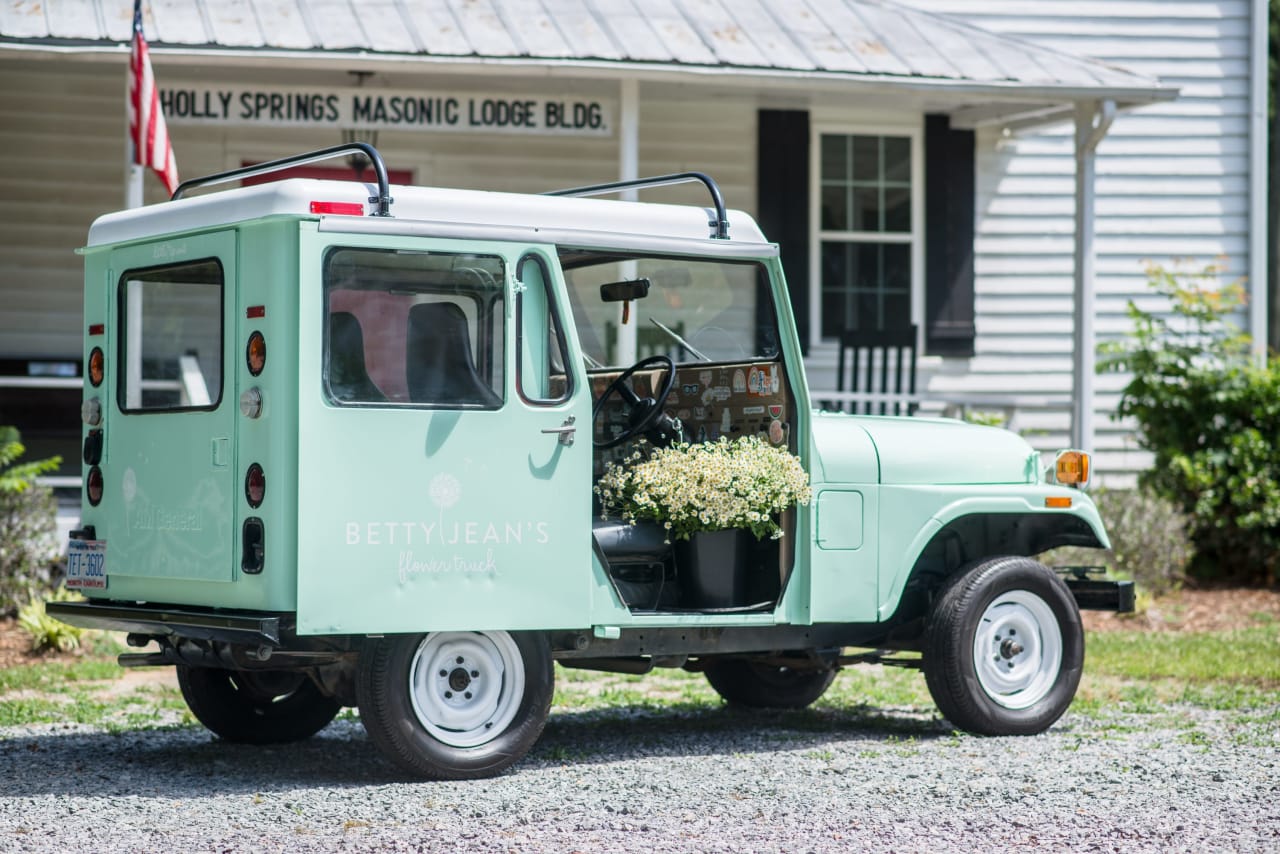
628,170
1093,119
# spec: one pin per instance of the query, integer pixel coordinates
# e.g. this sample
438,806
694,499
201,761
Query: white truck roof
544,218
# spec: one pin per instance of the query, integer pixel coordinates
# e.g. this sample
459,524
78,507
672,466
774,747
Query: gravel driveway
821,780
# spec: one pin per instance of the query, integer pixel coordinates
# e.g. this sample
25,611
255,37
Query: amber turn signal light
1072,468
255,353
97,366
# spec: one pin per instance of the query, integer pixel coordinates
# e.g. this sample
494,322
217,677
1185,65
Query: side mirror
624,291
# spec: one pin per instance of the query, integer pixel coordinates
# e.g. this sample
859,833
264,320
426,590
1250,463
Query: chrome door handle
566,430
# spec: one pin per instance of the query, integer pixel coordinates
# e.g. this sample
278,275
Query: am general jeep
340,449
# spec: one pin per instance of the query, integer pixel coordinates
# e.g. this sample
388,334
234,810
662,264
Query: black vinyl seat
439,367
348,377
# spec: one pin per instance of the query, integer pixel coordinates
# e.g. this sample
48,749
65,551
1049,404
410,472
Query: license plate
87,564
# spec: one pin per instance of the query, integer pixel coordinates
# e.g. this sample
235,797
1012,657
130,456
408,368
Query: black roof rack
382,200
719,225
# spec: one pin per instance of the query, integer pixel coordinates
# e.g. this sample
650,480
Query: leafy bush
28,550
45,631
1149,540
1210,416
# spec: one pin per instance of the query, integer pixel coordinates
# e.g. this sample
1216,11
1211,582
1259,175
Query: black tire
1017,684
256,707
427,703
743,682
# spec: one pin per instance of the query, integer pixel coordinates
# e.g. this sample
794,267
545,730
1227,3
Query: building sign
385,109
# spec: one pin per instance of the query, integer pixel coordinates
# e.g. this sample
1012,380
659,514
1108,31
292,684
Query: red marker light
255,311
93,486
97,328
340,208
255,485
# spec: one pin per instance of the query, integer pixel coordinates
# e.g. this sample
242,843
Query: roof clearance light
339,208
1072,468
97,366
255,353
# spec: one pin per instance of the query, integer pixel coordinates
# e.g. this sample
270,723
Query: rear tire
1004,648
256,707
455,705
743,682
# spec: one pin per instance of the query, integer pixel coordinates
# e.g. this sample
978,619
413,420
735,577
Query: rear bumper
158,621
1094,595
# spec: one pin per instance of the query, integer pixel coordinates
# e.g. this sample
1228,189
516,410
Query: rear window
413,328
170,319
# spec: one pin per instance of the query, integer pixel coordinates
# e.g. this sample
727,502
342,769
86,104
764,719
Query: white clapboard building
994,173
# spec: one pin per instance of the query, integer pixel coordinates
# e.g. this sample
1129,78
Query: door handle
566,430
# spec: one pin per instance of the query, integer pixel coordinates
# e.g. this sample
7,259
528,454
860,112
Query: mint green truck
341,442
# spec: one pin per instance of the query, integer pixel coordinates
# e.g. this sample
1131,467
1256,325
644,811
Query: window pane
721,309
865,286
414,328
866,158
866,209
835,208
835,158
172,328
897,158
897,209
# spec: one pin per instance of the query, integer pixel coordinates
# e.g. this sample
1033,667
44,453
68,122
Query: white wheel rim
466,687
1017,650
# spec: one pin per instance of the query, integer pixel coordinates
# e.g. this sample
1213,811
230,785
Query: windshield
696,310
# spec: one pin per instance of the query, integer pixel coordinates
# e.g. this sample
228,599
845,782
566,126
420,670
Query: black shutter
782,204
948,226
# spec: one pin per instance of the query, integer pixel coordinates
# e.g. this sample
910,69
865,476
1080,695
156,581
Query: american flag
147,131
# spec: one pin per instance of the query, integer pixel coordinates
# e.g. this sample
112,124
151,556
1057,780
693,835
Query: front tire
256,707
1004,648
756,685
455,705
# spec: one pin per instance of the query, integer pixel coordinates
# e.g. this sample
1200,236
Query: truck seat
348,378
439,367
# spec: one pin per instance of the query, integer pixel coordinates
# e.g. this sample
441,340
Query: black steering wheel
644,412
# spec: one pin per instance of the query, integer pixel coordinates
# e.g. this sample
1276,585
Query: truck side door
444,446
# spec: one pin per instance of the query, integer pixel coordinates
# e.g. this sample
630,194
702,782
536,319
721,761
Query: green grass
1134,672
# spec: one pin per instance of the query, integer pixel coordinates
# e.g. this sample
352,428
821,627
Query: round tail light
97,366
93,486
255,353
255,485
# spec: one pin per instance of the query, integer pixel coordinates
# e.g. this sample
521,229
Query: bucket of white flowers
714,499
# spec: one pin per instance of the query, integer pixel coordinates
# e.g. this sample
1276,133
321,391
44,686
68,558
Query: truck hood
921,451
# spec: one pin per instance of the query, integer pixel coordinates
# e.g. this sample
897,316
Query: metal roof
818,41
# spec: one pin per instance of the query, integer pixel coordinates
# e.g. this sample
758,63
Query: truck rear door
170,483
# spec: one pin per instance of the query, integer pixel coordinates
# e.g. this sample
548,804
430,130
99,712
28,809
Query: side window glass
171,337
541,375
413,329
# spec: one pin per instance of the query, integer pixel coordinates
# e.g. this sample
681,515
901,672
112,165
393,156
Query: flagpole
133,172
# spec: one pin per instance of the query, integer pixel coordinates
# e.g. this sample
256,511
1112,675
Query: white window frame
915,236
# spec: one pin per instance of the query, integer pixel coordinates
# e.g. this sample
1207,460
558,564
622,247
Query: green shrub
45,631
1210,416
28,549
